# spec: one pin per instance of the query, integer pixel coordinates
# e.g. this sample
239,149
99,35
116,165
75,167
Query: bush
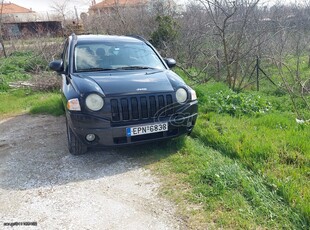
235,104
19,66
27,61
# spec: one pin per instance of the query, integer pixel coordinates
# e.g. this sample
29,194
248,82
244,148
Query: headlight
94,102
181,95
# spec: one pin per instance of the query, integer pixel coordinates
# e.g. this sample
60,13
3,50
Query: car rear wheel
76,147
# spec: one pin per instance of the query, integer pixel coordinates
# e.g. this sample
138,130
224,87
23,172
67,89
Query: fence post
257,73
218,65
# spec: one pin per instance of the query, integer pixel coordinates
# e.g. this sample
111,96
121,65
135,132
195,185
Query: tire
75,146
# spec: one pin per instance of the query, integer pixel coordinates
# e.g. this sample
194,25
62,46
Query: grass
215,191
241,169
21,66
272,145
16,102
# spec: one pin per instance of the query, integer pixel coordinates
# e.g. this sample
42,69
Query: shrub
19,66
236,104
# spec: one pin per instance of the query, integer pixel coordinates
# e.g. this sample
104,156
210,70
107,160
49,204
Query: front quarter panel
80,87
175,80
77,87
68,91
85,85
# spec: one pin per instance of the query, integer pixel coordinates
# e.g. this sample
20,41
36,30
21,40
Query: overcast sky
41,6
45,5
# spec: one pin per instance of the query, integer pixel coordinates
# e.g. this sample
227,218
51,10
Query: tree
61,8
2,48
164,37
121,19
287,51
232,23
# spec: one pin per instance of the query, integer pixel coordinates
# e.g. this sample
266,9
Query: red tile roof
111,3
11,8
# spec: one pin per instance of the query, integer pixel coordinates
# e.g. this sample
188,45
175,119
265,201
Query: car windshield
110,56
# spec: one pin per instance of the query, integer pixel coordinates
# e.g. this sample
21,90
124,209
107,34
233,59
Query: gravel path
40,182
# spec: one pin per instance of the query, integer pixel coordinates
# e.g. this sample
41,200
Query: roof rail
74,37
138,37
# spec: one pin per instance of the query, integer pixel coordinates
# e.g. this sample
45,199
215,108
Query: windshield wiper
94,69
135,67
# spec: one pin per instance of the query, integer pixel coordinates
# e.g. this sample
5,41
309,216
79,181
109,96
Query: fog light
90,137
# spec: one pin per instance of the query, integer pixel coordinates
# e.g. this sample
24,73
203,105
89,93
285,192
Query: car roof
107,38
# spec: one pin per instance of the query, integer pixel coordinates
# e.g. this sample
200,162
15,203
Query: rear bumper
112,134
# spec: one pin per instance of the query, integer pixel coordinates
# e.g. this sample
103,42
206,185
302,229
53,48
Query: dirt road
40,182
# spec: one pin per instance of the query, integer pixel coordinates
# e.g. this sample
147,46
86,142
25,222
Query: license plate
147,129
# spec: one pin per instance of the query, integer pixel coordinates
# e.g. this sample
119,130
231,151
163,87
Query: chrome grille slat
141,107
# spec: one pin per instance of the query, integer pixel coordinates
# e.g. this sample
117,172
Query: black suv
118,90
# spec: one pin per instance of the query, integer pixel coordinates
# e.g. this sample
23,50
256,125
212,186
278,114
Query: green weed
230,102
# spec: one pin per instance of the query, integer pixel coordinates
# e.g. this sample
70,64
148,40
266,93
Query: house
110,6
22,22
11,12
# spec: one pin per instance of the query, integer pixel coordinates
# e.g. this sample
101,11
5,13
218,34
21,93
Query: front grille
141,107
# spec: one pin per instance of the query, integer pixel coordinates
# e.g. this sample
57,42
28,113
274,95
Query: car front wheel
76,147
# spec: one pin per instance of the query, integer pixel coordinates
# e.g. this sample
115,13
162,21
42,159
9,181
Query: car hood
126,82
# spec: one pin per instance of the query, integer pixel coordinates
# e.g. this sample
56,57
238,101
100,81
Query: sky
41,6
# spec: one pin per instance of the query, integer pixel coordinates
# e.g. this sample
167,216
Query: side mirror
57,66
170,62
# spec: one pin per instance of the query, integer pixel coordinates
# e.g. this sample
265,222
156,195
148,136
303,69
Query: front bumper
114,134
